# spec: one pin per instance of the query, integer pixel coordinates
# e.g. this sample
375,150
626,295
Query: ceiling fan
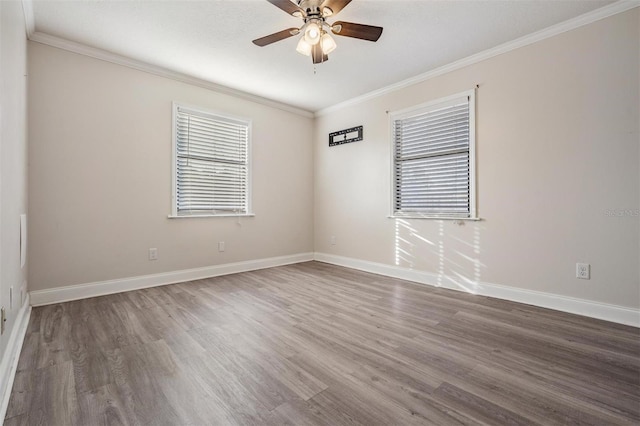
316,32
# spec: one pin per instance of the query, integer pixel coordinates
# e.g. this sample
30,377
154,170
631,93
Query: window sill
418,216
187,216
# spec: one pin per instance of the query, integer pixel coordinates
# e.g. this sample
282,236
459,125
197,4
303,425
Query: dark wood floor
318,344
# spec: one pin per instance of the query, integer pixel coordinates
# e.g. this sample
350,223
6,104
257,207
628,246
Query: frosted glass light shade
304,47
327,43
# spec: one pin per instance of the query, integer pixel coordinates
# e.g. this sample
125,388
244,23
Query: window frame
421,109
174,160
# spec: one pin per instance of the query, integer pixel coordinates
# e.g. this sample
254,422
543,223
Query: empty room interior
320,212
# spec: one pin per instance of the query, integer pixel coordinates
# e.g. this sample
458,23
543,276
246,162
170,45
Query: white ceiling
211,40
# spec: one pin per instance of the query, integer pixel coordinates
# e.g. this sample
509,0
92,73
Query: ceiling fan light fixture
304,47
312,33
327,43
316,34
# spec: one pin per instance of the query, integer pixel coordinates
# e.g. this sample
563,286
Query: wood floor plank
563,381
137,371
619,368
22,392
594,337
104,406
91,372
236,401
16,421
409,392
534,400
353,356
317,344
302,413
477,407
596,393
223,346
54,326
53,399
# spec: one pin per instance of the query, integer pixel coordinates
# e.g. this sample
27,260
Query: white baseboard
12,355
613,313
101,288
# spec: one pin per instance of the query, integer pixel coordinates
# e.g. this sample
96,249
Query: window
211,163
433,159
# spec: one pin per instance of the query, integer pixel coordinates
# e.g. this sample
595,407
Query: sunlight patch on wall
451,254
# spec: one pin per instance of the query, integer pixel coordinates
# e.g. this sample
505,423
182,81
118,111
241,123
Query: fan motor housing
311,7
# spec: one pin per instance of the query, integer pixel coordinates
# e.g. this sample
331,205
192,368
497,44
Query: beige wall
100,176
557,147
13,159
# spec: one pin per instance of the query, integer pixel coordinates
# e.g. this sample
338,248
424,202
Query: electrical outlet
583,271
221,246
333,240
153,254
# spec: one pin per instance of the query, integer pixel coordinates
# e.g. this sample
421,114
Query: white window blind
211,174
433,161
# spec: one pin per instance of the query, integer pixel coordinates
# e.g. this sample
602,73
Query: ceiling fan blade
317,55
335,5
361,31
272,38
286,5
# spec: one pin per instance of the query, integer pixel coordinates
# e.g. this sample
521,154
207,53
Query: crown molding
29,21
115,58
579,21
571,24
